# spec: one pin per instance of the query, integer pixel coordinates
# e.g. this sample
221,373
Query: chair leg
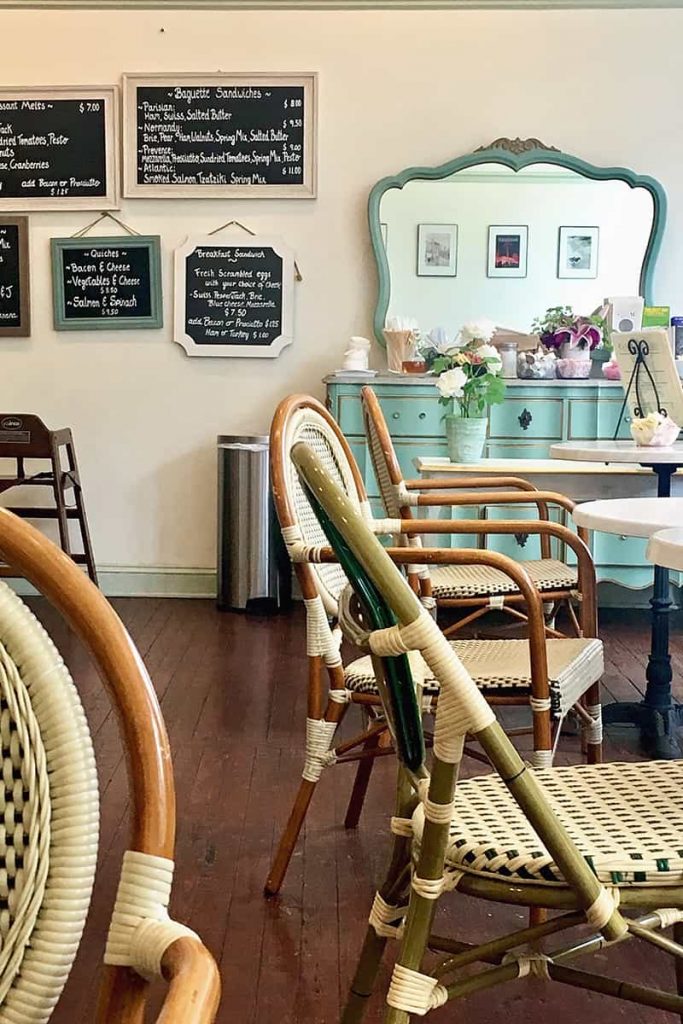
678,963
60,501
593,733
82,519
361,782
289,837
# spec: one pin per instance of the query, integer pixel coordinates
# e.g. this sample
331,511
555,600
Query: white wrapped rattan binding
402,826
432,888
535,964
592,731
321,640
383,918
319,736
415,993
385,526
669,916
542,758
601,910
497,601
439,813
540,704
404,497
297,550
462,708
141,930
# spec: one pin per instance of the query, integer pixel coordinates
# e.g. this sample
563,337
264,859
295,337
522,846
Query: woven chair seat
482,580
574,664
626,819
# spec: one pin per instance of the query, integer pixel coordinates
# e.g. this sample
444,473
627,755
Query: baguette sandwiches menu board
219,135
107,283
58,149
15,305
653,389
234,298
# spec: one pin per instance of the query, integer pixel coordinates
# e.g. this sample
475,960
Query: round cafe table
666,548
658,716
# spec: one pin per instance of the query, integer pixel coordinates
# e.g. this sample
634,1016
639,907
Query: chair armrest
445,483
194,984
540,498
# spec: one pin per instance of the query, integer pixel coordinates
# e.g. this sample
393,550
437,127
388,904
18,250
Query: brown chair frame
189,968
326,681
479,491
29,438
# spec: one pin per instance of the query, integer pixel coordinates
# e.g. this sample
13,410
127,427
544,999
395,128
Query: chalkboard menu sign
106,283
234,297
58,148
219,135
15,303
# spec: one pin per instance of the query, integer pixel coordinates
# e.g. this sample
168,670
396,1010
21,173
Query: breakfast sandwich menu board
111,283
660,362
15,305
219,135
58,148
234,297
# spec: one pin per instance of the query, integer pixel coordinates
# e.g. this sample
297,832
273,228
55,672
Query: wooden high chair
25,437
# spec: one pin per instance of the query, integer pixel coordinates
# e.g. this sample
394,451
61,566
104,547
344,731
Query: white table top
617,451
515,467
666,548
633,517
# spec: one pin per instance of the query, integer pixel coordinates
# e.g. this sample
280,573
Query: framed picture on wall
437,250
577,252
508,244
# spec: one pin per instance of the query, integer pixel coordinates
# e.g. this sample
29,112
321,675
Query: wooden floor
231,689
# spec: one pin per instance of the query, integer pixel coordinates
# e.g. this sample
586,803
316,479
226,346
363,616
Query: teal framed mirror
509,230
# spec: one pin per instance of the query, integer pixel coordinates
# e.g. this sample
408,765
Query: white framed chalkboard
107,283
220,136
15,290
59,148
234,297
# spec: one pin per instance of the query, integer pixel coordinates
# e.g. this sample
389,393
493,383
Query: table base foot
658,726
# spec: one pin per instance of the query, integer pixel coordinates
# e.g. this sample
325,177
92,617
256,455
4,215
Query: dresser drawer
517,450
527,418
617,549
406,415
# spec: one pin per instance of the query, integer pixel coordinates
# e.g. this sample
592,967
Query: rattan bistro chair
50,814
589,841
507,671
481,588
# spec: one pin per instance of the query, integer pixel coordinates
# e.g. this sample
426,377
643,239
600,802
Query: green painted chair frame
403,498
416,879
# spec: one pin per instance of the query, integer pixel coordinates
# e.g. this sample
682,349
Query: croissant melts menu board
219,135
58,148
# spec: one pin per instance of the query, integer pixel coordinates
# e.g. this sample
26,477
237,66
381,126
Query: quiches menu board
219,135
58,149
234,297
107,283
15,305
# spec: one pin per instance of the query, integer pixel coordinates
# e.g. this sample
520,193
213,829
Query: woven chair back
301,418
385,464
49,817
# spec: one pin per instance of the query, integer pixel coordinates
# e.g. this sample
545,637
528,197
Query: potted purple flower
573,338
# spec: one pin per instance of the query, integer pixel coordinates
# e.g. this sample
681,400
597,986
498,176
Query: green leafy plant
471,377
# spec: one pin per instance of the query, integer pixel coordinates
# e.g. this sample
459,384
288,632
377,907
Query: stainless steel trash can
253,568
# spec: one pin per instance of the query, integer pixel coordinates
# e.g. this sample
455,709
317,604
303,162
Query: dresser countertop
406,379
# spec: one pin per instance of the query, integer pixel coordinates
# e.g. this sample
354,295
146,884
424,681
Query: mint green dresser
534,415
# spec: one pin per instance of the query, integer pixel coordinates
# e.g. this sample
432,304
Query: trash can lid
240,440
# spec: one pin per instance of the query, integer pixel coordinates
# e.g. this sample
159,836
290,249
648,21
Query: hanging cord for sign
103,216
239,224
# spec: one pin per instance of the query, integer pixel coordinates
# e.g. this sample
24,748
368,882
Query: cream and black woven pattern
626,819
49,817
386,488
482,580
307,426
503,666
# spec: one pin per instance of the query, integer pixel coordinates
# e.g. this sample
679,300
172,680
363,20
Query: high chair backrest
49,796
302,418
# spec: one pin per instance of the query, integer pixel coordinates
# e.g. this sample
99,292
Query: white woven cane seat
626,819
504,666
482,580
48,815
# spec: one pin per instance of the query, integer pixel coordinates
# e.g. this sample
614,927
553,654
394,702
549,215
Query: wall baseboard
145,581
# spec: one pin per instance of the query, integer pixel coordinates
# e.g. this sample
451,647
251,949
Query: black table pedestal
657,715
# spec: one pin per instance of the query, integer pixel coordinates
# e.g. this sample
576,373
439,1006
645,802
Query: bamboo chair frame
188,967
398,623
405,497
328,697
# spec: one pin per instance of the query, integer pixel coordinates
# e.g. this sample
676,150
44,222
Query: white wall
396,89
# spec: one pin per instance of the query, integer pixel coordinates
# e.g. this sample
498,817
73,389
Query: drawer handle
524,419
395,415
622,536
422,416
521,539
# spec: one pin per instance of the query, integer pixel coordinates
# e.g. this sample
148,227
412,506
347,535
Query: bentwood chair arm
587,583
194,984
448,483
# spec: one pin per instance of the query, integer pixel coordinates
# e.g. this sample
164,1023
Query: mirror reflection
505,244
